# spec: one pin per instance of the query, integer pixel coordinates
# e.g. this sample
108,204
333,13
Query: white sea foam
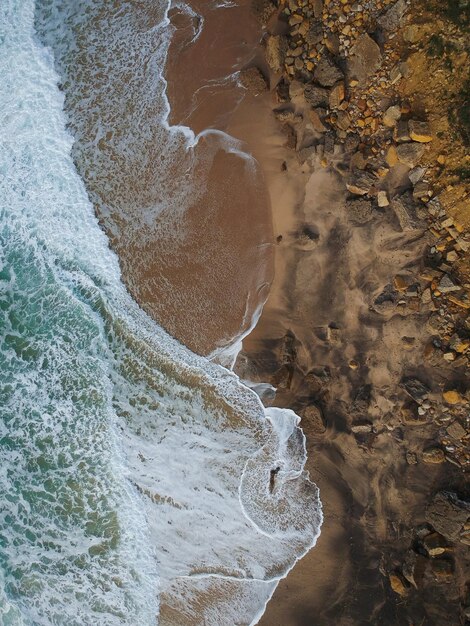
136,475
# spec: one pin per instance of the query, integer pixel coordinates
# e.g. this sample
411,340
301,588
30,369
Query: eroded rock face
447,514
365,59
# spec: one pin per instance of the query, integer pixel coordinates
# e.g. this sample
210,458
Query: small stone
426,297
391,157
452,397
344,121
295,19
434,456
336,95
419,131
452,256
391,116
397,584
361,427
364,60
416,174
353,364
447,286
410,153
382,199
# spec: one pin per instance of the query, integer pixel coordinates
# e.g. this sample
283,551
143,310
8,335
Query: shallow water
134,475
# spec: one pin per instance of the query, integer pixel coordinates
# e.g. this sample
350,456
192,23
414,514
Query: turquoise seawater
134,475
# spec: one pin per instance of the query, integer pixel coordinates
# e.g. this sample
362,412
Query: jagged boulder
253,80
326,72
365,59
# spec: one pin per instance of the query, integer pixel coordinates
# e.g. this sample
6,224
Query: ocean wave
137,476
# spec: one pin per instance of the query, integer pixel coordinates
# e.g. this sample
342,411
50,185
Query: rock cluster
336,71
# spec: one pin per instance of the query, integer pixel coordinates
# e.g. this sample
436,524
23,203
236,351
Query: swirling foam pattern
134,475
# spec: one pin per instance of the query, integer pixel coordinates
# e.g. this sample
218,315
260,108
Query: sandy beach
347,336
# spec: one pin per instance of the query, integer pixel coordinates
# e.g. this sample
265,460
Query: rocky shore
366,333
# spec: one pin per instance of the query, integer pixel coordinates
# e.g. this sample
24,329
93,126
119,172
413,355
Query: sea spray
134,475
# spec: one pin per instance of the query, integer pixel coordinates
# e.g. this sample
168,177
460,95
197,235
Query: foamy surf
136,477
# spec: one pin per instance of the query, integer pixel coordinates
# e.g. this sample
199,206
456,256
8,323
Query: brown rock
253,80
316,122
397,584
327,73
276,47
456,431
452,397
391,116
410,153
361,182
419,131
316,96
435,544
343,121
405,210
401,132
393,17
336,95
312,419
391,157
434,456
447,514
364,60
332,43
382,199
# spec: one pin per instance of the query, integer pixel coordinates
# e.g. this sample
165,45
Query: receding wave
135,477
